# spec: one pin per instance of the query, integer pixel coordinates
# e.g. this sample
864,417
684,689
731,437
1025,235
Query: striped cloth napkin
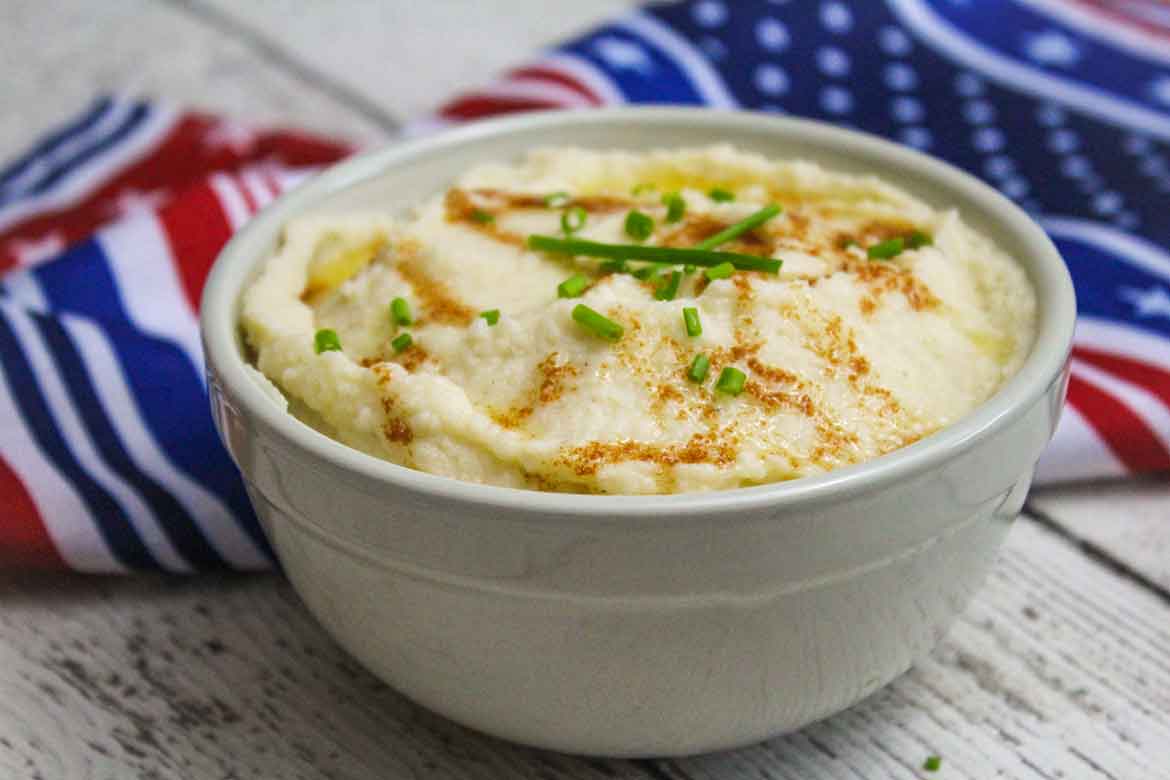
108,225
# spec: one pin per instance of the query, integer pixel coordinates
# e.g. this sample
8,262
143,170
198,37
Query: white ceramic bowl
654,625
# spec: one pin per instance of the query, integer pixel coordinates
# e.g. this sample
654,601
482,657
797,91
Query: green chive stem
668,288
749,222
491,315
597,323
721,271
326,340
720,195
572,287
886,250
401,342
699,368
660,254
932,763
691,320
639,226
554,200
676,207
483,217
573,220
731,381
400,311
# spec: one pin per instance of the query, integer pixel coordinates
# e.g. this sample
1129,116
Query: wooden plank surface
1058,669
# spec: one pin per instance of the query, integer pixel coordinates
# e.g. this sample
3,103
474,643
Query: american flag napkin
108,225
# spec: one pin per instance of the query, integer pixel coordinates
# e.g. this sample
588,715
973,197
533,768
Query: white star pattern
709,13
1050,115
968,84
131,202
34,250
1052,48
979,112
907,109
1154,302
832,61
893,41
232,135
900,77
771,79
623,55
836,17
772,34
1160,90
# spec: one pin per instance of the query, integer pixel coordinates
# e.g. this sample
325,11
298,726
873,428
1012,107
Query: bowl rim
1043,366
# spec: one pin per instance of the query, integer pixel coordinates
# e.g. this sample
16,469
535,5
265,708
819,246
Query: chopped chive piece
401,341
932,763
613,267
668,287
720,195
400,311
721,271
483,217
491,315
557,199
659,254
573,220
699,368
572,287
596,322
326,341
917,240
688,269
731,380
649,271
639,226
641,188
749,222
691,320
886,250
675,206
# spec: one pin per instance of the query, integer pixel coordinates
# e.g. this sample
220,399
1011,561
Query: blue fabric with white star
981,85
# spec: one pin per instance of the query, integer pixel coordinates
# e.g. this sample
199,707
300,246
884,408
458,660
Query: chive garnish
720,195
572,287
675,206
400,311
597,323
573,220
649,271
886,250
731,380
668,288
688,269
483,217
932,763
644,187
613,267
917,240
555,200
401,341
699,368
491,315
749,222
639,226
659,254
326,341
691,320
721,271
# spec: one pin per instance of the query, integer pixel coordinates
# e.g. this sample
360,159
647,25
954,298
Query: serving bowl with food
640,431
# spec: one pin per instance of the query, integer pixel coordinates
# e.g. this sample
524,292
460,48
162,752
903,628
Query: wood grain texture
1127,521
1060,668
57,55
409,57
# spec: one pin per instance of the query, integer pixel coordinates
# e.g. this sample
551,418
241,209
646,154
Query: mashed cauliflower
887,320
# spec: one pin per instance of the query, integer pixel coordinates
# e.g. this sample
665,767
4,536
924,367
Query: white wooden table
1059,669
